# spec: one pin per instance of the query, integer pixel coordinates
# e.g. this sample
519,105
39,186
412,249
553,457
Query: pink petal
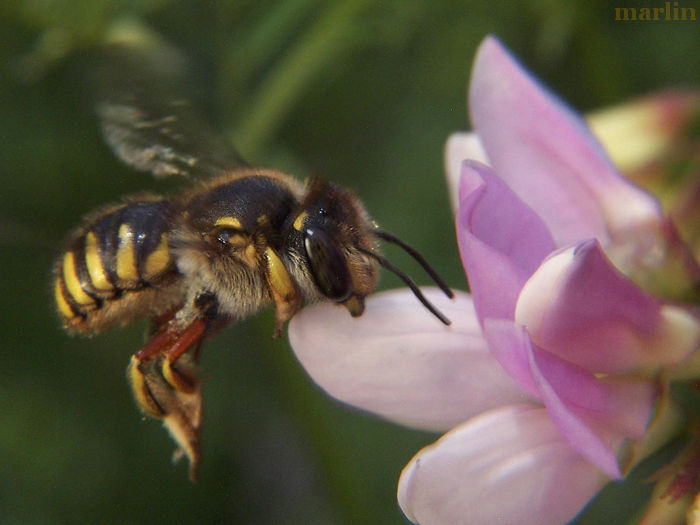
460,147
507,466
579,307
546,154
595,416
622,404
501,241
509,344
399,362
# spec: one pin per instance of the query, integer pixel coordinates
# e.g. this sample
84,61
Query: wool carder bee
238,239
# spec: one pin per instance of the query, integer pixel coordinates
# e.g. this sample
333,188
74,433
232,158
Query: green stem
327,38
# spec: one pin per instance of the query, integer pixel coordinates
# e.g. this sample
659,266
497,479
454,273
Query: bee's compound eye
327,264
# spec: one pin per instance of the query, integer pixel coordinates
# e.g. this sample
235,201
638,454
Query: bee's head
334,238
341,248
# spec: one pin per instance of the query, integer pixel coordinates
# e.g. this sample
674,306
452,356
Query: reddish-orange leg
157,344
190,336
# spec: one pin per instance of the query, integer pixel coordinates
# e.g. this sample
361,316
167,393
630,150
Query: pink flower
549,367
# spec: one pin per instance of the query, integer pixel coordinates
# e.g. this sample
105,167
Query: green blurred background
364,93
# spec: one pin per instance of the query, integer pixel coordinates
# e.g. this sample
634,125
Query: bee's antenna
419,259
412,285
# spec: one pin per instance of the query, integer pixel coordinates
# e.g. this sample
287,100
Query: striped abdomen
110,261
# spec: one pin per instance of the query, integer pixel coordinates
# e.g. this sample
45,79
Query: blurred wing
148,126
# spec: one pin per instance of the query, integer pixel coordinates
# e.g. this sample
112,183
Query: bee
238,239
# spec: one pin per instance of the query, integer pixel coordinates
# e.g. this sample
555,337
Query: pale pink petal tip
506,466
548,156
460,147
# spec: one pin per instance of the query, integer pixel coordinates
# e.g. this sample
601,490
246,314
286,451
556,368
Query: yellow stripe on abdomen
126,261
61,304
158,260
93,261
72,281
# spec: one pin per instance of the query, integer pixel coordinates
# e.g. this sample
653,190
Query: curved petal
622,404
399,362
546,154
509,344
460,147
595,416
579,307
501,241
508,466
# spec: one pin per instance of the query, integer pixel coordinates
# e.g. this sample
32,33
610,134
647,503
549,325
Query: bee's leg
168,393
140,373
284,291
192,335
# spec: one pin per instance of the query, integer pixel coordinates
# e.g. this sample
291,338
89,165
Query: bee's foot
172,394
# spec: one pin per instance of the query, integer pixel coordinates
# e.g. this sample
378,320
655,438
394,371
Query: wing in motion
148,126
